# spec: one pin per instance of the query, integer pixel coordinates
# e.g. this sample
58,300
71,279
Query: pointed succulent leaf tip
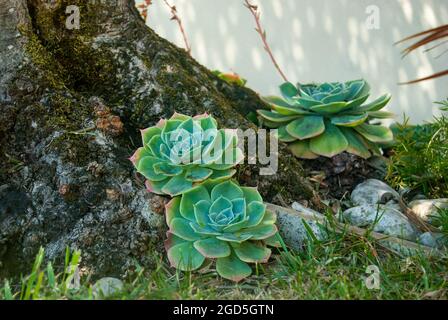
201,116
161,123
148,133
375,133
288,90
135,157
172,210
216,220
307,112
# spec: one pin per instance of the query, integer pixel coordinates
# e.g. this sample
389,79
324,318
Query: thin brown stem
256,14
179,22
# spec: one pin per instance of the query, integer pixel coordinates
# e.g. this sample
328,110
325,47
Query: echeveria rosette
328,119
183,151
223,222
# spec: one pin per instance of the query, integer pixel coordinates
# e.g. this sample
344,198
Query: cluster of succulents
210,217
328,119
183,151
223,222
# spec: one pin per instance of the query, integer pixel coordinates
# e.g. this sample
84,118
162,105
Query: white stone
425,209
107,287
384,219
434,240
372,192
294,232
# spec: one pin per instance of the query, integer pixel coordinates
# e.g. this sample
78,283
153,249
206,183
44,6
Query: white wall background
316,40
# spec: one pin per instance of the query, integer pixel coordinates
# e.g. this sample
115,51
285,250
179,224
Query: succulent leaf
182,228
190,198
289,111
330,108
147,134
251,194
232,268
380,114
201,211
276,100
301,149
288,90
185,257
306,127
146,168
172,210
276,117
330,143
176,185
356,143
273,241
377,104
228,189
349,120
213,248
255,212
375,133
251,252
259,232
197,174
232,237
156,186
284,136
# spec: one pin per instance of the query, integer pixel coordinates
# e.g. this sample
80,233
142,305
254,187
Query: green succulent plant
221,221
181,152
328,119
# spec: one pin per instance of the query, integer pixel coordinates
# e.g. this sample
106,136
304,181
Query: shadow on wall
316,40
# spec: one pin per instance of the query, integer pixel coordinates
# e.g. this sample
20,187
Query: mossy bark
65,181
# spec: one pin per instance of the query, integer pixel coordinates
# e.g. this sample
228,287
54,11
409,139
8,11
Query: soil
339,175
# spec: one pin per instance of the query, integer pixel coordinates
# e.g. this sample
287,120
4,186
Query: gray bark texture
71,106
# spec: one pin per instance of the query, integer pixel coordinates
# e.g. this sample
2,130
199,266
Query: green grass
441,221
334,269
420,157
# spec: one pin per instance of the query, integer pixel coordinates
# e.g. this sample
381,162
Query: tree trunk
72,103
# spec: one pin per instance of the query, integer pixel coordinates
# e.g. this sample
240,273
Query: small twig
179,22
256,14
